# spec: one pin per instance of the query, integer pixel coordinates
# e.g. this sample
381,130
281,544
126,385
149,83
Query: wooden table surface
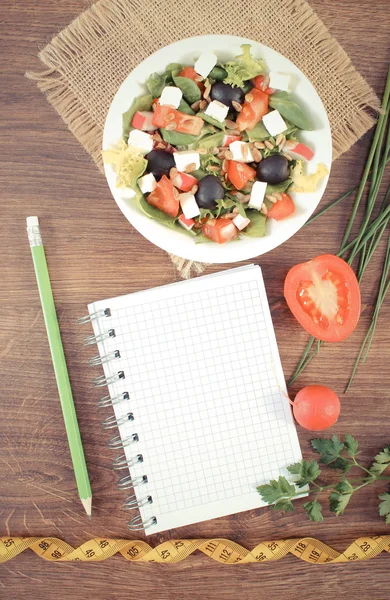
93,253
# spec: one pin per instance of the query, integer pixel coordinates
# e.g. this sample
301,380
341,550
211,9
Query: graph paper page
205,386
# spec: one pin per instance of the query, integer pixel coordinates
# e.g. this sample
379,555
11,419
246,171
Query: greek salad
212,149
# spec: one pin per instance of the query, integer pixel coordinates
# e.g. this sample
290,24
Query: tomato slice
165,197
282,208
220,230
253,109
192,74
183,123
324,296
240,173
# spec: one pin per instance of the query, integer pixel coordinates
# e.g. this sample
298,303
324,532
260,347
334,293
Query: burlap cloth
87,62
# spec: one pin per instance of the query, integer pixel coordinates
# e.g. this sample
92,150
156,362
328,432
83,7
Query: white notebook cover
206,389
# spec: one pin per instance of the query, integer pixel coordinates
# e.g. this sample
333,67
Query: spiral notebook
196,383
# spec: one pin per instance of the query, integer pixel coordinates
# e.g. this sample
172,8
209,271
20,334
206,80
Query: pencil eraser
32,222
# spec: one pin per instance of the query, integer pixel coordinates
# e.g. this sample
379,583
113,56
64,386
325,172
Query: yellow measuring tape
221,550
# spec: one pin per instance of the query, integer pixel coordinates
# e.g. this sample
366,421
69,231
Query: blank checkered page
205,386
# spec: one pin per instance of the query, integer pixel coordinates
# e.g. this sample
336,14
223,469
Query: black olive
160,163
210,189
273,169
225,93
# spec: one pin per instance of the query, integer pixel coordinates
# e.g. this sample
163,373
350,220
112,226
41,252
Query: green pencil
59,363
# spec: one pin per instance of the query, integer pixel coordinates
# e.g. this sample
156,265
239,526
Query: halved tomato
240,173
165,197
220,230
253,109
164,115
192,74
282,208
324,296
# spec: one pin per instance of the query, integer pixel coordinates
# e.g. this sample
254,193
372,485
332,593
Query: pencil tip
87,503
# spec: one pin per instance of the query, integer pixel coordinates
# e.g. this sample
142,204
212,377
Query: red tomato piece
228,139
253,109
258,83
184,181
324,296
316,407
183,123
192,74
165,197
240,173
220,230
282,208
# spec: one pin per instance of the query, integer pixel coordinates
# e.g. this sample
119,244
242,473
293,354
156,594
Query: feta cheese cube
273,122
205,63
184,159
217,111
241,222
186,223
147,183
188,205
171,96
140,139
241,151
279,81
257,195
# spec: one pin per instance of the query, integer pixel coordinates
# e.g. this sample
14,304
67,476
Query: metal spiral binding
101,360
131,502
117,442
121,462
95,315
136,523
108,401
95,339
102,380
112,421
126,482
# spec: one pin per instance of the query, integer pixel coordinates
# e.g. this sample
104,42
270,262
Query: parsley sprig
339,456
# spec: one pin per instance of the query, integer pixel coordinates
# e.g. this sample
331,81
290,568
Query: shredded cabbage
306,183
244,67
128,163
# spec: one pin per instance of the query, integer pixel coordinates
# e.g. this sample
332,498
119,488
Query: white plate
225,47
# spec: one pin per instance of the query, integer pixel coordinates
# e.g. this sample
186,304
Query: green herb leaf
176,138
156,83
341,464
256,227
277,490
308,471
284,504
338,502
184,107
211,141
289,109
384,507
329,449
190,90
210,120
381,462
280,188
139,104
314,511
344,487
351,445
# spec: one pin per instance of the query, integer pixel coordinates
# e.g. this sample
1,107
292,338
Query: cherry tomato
165,197
192,74
253,109
316,407
282,208
240,173
220,230
324,296
183,123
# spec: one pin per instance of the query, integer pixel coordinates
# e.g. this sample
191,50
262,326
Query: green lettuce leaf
289,109
139,104
256,227
244,67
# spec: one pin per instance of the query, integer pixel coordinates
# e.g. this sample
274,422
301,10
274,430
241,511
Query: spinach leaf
202,239
210,120
259,133
155,213
256,227
173,67
185,108
279,187
211,141
289,109
218,73
176,138
190,90
156,83
141,103
199,174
